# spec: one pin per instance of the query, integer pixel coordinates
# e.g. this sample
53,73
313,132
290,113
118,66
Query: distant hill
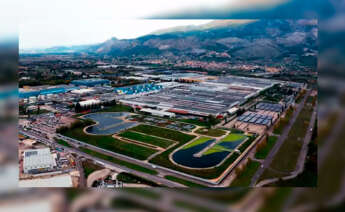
221,39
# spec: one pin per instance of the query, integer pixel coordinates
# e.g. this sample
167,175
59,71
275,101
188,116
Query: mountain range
236,39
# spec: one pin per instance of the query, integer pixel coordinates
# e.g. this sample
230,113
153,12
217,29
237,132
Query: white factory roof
89,102
38,158
157,112
83,91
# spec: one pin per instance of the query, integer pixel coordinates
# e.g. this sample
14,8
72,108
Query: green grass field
146,139
233,137
211,132
163,133
286,157
216,148
62,142
244,178
183,182
193,121
263,152
200,140
118,161
109,143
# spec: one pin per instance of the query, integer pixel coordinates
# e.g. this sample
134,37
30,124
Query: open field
146,139
89,167
197,142
211,132
183,182
163,133
117,161
286,158
263,152
109,143
243,179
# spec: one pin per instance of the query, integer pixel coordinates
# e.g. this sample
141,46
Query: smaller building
90,102
38,160
83,91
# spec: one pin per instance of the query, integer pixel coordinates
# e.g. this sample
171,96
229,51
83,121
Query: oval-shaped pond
186,157
108,123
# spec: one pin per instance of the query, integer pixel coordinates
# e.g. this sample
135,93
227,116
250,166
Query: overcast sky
44,23
42,34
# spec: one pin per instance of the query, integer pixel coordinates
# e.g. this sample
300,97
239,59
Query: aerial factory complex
198,132
210,115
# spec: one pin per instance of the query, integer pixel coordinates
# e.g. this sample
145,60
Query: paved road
154,178
162,170
279,142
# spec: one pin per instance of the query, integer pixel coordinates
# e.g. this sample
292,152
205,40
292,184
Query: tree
38,109
78,108
211,120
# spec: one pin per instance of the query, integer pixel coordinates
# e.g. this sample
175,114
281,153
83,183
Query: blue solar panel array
269,107
255,118
136,89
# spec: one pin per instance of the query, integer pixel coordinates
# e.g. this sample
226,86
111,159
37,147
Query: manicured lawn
117,161
244,178
109,143
146,139
263,152
233,137
216,148
163,133
183,182
211,132
197,142
229,138
194,121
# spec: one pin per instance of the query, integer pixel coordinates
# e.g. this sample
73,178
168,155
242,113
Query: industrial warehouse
208,97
